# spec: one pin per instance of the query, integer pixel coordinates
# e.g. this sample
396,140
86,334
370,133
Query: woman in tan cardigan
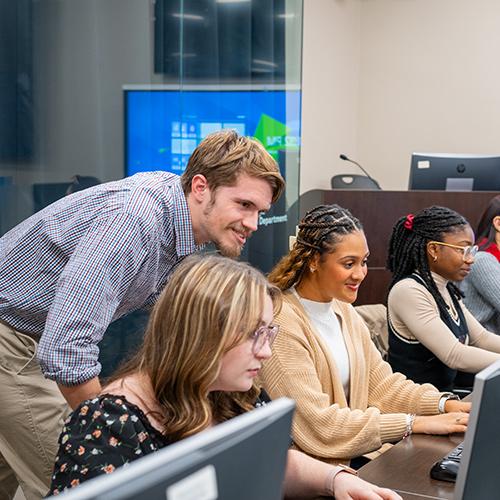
349,402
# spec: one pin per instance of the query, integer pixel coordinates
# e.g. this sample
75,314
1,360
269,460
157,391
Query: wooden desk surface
405,467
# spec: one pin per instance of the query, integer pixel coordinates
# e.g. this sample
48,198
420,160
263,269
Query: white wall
427,79
330,78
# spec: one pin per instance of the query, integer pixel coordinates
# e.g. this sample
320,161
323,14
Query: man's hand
74,395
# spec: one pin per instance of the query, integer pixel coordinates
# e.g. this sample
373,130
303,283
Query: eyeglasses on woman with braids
349,401
432,336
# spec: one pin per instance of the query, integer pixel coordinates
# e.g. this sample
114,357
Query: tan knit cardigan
303,369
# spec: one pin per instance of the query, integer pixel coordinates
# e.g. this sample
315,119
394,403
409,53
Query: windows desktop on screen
163,126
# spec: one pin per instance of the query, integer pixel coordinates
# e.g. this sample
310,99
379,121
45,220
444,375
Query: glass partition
102,89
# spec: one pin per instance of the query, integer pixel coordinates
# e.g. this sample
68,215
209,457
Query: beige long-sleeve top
325,425
414,314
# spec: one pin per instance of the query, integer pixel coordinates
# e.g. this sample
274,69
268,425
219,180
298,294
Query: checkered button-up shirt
88,259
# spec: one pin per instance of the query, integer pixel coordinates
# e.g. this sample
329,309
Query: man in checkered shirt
71,269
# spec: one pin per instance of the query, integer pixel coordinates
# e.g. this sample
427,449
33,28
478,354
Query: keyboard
446,469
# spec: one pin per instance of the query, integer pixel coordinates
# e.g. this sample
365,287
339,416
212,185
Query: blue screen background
162,127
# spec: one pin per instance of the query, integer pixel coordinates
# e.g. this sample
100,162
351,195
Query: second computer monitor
478,473
452,172
243,458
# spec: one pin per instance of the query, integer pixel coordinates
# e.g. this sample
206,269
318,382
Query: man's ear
199,187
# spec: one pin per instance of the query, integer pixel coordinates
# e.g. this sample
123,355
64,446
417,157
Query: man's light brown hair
222,156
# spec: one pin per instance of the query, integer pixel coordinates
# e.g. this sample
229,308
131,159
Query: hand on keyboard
447,423
455,405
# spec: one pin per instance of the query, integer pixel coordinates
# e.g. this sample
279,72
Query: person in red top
488,229
482,287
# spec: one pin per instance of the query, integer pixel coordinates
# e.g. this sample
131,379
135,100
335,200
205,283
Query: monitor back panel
479,472
243,458
446,172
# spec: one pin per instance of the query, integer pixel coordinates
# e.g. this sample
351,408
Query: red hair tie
408,224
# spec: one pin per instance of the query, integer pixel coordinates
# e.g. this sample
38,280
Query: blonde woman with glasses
432,336
208,335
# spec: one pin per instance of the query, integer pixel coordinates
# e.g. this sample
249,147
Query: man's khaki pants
32,411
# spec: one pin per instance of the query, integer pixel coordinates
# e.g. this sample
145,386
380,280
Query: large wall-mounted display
164,124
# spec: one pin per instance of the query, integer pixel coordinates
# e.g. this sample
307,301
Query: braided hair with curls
319,231
408,246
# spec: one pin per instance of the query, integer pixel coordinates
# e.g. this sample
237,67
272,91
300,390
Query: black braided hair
319,231
408,246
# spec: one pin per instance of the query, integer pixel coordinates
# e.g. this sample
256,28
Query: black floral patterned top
100,435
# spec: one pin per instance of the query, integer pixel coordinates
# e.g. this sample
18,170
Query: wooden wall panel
379,210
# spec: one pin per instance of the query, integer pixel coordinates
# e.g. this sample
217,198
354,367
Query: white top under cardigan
327,324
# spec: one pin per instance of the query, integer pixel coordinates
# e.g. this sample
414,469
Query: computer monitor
479,466
165,123
242,458
451,172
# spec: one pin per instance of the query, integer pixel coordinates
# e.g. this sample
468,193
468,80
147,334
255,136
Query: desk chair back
353,181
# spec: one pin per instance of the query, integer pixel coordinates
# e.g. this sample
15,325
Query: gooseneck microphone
345,158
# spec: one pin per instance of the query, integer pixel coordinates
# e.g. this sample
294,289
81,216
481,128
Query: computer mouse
445,470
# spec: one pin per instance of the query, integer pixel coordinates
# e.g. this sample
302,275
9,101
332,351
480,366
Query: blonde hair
209,305
222,156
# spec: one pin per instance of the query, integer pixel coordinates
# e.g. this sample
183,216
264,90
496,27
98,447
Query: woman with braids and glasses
482,287
432,336
206,340
349,402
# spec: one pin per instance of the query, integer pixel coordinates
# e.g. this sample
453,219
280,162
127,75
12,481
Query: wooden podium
379,210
